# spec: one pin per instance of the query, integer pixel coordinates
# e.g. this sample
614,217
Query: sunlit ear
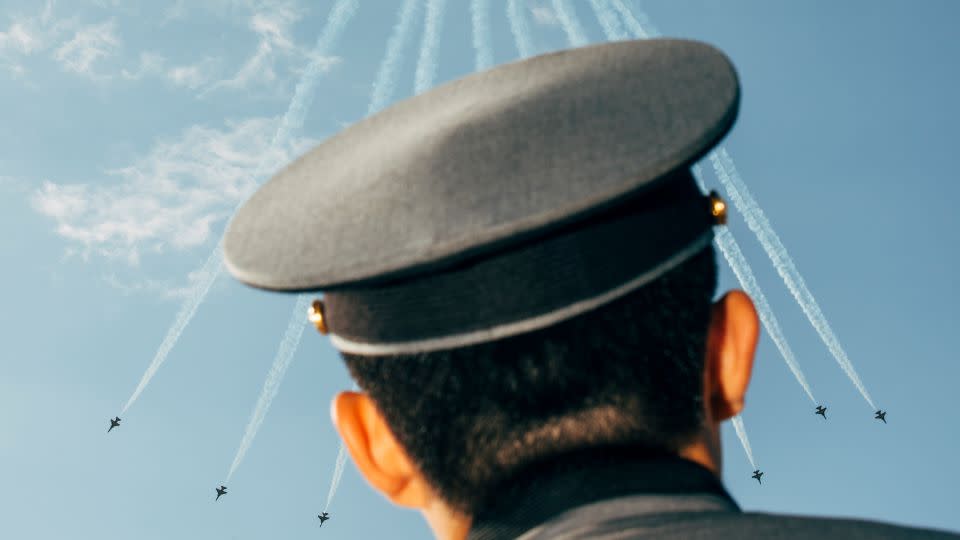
376,452
731,344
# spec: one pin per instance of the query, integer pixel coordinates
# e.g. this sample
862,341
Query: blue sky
132,129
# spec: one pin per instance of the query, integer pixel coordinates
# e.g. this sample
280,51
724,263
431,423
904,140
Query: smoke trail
639,25
337,475
338,467
731,251
480,10
571,25
385,84
742,435
758,223
208,274
382,91
288,346
340,15
608,20
520,28
427,63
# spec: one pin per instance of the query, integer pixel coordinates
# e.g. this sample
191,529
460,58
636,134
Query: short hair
627,373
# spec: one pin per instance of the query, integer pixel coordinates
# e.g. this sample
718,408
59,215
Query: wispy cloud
150,64
165,289
27,35
190,76
89,44
170,198
276,53
545,16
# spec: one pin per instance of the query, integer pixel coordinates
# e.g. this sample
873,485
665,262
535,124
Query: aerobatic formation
618,21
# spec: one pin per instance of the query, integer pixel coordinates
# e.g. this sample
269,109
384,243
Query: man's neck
540,492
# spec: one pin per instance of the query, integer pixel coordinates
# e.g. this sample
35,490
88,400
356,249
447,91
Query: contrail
427,63
758,223
639,25
340,15
338,468
742,435
731,251
480,11
608,20
288,346
207,275
337,475
385,84
571,25
382,91
520,28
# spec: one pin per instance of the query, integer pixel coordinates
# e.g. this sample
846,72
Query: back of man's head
627,373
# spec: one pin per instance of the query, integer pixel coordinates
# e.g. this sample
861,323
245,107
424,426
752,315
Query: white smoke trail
282,360
738,263
340,15
480,11
758,223
207,275
744,441
639,25
571,25
731,251
608,20
427,63
382,91
385,84
520,28
337,475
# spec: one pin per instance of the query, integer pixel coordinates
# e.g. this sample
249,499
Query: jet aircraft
222,490
323,517
822,411
757,474
881,415
114,423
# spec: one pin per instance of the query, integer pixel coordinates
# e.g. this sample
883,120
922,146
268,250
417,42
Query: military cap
499,203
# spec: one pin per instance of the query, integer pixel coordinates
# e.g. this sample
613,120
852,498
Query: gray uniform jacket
612,496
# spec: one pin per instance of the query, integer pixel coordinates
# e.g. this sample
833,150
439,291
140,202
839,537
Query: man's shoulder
725,524
763,525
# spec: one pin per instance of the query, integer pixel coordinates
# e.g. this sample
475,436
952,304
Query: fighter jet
822,411
881,415
222,490
757,474
114,423
323,517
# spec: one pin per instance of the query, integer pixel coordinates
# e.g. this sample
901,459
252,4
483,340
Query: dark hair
628,372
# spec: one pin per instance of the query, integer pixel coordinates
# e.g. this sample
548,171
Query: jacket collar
549,489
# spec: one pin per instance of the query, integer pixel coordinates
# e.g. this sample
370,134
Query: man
518,272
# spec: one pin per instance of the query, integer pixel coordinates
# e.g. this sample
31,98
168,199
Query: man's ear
376,452
731,345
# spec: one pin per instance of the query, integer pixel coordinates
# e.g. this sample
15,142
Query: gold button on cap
315,315
718,208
